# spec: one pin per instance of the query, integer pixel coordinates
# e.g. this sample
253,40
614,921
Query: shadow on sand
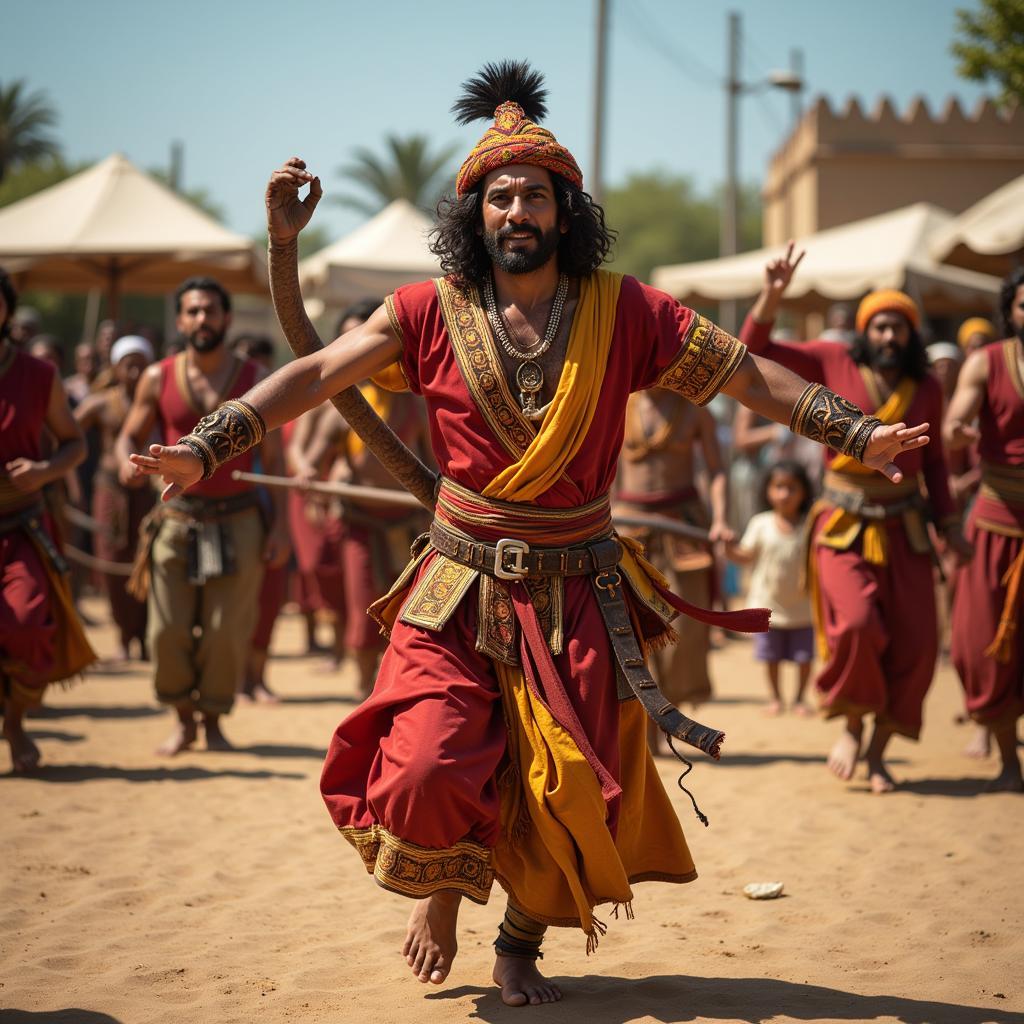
185,773
51,711
72,1015
671,999
283,750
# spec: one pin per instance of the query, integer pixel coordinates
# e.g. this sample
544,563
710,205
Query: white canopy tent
388,250
987,237
114,227
890,250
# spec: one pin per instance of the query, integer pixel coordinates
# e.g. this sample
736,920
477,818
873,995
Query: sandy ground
212,888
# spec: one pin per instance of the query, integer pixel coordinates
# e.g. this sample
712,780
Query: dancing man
988,609
870,547
494,744
41,639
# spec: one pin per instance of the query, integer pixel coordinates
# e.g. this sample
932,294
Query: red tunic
27,624
179,413
994,685
869,609
421,755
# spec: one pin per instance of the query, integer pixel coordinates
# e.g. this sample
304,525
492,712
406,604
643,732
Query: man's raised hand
779,272
287,215
889,441
177,464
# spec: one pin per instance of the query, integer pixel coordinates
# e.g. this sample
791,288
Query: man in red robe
870,564
988,609
41,640
494,744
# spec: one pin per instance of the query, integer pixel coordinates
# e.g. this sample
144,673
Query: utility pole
729,241
176,171
600,77
796,96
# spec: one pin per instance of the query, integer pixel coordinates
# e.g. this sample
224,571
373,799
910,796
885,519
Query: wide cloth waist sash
1004,484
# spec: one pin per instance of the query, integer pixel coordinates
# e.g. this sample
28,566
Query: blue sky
246,83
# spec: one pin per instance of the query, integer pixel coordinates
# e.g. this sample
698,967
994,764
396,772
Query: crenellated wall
841,166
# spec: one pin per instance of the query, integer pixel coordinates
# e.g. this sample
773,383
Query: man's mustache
524,229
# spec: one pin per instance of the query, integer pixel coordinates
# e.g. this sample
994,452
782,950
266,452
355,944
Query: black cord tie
702,817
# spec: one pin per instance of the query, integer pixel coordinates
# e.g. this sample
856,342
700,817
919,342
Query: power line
649,31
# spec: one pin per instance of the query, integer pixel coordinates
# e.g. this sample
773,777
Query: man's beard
206,342
519,261
890,357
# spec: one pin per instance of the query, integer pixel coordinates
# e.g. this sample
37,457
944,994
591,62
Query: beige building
839,167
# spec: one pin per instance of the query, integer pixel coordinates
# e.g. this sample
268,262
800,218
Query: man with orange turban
870,562
502,739
975,333
988,610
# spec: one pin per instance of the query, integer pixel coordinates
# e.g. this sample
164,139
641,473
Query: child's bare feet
772,709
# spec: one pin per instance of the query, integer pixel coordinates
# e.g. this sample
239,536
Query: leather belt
197,507
855,503
511,559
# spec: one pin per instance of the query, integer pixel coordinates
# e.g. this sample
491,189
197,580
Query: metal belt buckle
516,570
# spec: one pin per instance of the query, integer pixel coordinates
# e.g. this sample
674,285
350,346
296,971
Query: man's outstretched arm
815,412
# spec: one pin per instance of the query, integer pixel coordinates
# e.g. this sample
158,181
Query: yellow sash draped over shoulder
568,419
381,399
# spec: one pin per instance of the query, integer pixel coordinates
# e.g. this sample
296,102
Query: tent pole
113,289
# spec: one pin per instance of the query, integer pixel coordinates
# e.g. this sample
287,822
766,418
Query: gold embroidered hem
707,360
419,871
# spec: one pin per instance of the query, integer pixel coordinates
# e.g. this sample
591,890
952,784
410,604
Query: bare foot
980,745
262,694
430,944
215,739
24,753
843,758
1009,780
181,739
879,778
521,982
772,709
802,709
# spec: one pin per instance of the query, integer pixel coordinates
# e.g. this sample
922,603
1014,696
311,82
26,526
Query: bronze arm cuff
832,420
225,433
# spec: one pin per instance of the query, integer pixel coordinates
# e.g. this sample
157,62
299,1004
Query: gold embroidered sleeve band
832,420
708,358
225,433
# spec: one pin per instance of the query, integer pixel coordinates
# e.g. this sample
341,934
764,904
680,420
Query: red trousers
27,626
994,688
273,592
317,547
882,631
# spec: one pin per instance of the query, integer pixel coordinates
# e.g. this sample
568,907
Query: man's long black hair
457,239
1013,280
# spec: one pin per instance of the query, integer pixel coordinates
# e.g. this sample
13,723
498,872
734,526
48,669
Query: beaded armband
225,433
832,420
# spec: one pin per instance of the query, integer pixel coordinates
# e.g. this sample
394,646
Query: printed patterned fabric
515,139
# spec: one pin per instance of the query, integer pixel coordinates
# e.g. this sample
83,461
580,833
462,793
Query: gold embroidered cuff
225,433
708,358
832,420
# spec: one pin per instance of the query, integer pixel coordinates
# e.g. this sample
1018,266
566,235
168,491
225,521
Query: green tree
28,178
407,170
662,218
24,122
990,47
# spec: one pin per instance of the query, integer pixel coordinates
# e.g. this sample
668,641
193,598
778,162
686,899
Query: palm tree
408,170
24,120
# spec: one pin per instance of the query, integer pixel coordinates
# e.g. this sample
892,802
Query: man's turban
887,300
513,95
975,325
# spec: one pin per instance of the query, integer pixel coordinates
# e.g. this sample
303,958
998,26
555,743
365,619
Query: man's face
522,225
86,361
947,370
106,335
888,336
129,369
977,340
202,320
1017,313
